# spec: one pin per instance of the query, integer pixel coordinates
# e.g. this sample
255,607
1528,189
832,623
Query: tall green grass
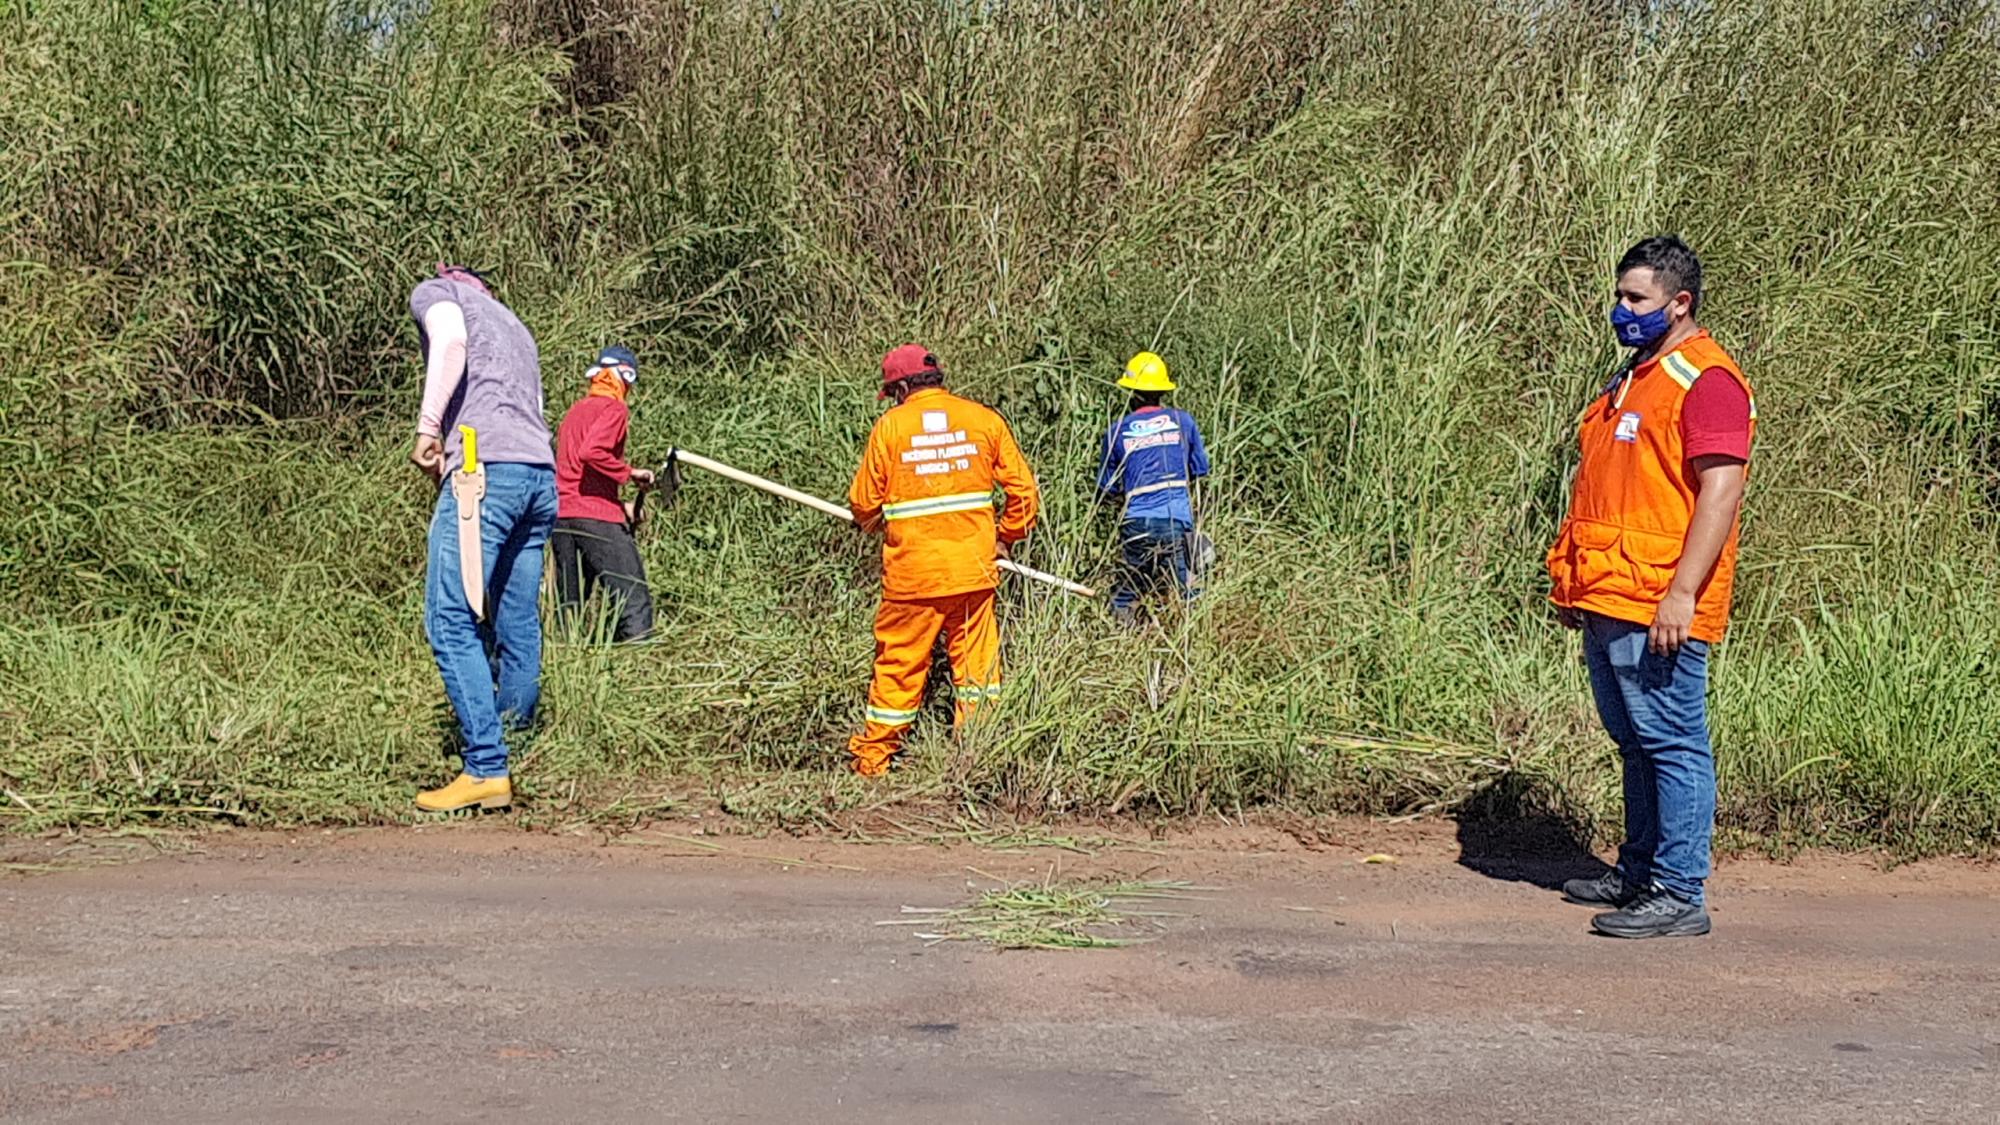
1373,240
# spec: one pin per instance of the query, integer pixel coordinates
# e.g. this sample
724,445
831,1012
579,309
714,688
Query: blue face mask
1639,330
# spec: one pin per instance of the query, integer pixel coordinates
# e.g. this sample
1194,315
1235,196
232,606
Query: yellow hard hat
1146,372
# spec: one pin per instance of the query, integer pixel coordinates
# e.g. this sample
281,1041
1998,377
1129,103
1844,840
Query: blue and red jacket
1151,456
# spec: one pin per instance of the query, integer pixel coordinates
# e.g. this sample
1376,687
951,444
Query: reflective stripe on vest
938,505
1147,489
1680,370
1685,373
1156,486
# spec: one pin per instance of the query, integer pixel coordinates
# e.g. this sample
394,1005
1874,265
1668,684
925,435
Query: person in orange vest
926,483
1643,567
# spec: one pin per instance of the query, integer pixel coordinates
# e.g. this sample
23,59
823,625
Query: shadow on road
1514,831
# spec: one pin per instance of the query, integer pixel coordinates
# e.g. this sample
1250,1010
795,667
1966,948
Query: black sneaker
1658,914
1608,889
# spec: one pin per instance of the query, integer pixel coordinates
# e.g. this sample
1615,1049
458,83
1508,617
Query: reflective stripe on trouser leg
972,637
904,634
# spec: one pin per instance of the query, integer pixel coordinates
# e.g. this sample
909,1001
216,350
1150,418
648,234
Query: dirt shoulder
472,970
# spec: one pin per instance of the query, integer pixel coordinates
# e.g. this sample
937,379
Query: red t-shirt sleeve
1715,417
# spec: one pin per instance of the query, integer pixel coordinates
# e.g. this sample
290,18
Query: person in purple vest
1152,457
482,435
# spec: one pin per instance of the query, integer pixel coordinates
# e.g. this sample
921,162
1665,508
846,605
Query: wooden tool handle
841,513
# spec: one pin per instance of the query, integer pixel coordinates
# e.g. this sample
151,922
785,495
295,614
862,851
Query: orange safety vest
928,478
1634,497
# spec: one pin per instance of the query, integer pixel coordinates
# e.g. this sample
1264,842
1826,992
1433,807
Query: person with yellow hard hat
1152,457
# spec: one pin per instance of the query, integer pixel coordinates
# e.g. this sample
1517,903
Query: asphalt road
480,973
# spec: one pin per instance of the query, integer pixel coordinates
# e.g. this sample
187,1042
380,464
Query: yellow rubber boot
465,791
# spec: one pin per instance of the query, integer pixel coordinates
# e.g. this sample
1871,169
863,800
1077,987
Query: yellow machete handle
471,437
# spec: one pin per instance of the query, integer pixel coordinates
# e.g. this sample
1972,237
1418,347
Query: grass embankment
1372,239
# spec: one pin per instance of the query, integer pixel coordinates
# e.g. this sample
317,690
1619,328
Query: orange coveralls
927,481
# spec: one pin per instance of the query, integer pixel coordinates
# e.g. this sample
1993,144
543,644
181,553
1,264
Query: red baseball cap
905,361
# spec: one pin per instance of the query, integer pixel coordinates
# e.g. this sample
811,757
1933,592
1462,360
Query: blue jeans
1153,552
492,669
1656,709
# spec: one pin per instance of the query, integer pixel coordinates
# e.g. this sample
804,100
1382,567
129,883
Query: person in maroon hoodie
593,536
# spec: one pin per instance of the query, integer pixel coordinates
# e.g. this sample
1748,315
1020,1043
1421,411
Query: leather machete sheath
468,487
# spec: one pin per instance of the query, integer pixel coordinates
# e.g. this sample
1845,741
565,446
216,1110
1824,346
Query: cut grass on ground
1051,914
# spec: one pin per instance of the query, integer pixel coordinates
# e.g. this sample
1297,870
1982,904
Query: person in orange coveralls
926,483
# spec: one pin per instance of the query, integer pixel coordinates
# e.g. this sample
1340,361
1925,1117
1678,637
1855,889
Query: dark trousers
1153,556
590,553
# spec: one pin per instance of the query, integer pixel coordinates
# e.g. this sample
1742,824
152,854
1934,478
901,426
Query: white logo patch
935,422
1628,427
